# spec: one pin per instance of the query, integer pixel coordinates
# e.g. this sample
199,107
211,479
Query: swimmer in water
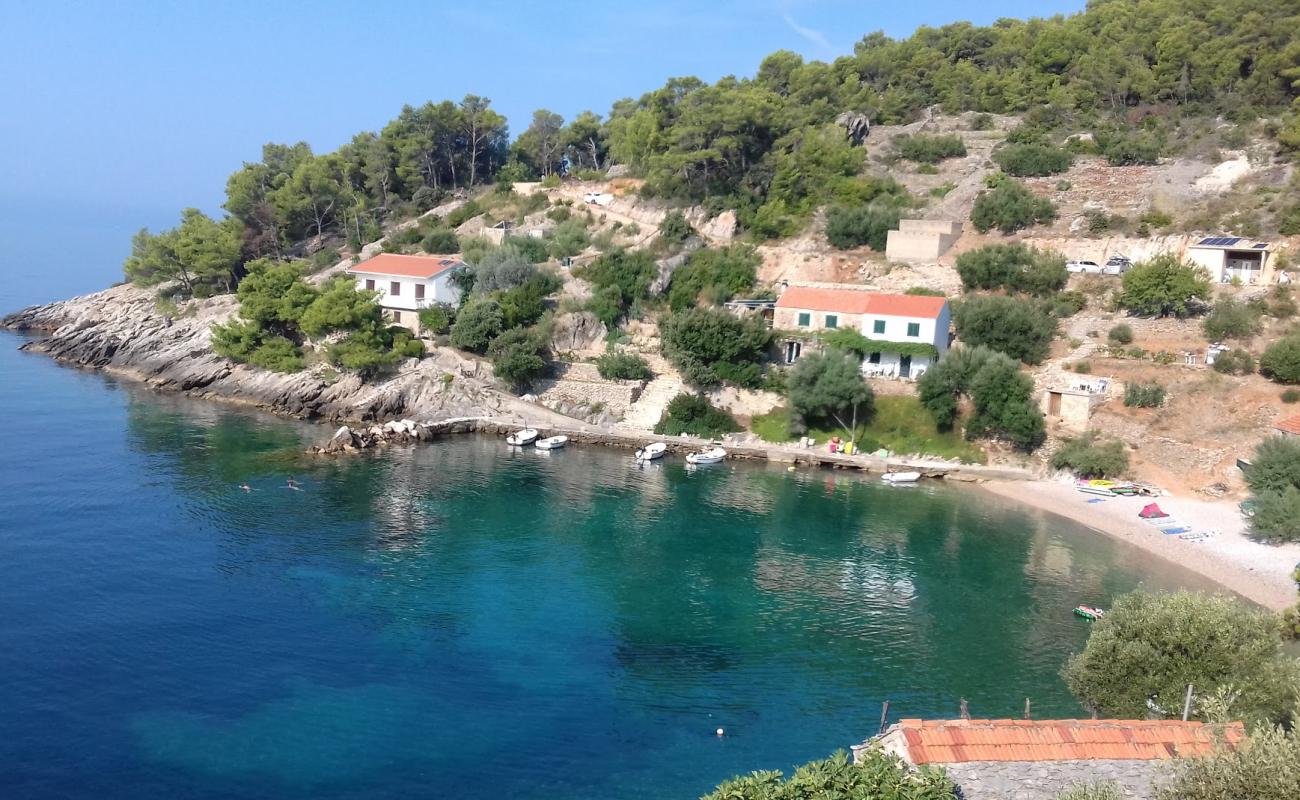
291,483
246,487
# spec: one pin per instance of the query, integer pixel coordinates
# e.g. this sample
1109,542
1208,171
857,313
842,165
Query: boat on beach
901,477
651,451
1090,613
709,455
552,442
522,437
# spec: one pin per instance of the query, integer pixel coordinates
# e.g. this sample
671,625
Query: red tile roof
407,266
1289,425
958,741
856,301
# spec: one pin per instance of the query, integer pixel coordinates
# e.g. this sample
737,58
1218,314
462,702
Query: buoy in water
721,732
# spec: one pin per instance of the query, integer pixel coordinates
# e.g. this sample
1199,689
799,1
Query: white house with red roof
908,332
407,284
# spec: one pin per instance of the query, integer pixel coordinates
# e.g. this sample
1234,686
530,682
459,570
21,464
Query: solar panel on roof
1261,246
1208,241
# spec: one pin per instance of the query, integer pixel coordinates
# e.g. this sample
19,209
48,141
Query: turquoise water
458,620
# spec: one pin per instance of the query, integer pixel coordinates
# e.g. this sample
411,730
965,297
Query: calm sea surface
461,621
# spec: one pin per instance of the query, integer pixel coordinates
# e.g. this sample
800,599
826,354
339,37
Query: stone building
1009,759
921,240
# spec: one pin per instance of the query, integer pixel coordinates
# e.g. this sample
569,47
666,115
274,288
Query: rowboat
901,477
651,451
552,443
711,455
522,437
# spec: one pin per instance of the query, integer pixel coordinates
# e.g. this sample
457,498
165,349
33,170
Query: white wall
932,331
1209,258
436,290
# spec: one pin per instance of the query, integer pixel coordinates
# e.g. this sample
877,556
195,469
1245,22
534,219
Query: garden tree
1002,397
484,132
713,275
1009,207
880,776
437,318
201,254
625,272
1033,159
1154,645
477,323
525,303
504,267
1265,767
1089,456
693,414
519,356
1163,286
543,142
1230,319
711,346
1013,268
1281,360
568,239
829,386
1021,330
617,366
585,143
1274,481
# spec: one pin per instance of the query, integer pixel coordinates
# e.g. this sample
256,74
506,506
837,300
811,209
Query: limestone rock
577,332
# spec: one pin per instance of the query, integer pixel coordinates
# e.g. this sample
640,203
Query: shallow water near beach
460,620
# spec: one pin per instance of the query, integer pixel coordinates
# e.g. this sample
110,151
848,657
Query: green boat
1088,612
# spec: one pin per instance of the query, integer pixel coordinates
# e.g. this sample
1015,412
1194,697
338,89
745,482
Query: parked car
1083,266
1117,265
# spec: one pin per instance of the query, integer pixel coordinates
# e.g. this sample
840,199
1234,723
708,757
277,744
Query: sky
119,114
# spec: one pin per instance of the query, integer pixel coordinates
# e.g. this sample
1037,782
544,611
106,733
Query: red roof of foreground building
1289,425
400,266
856,301
961,740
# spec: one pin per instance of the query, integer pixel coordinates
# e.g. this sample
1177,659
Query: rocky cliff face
121,330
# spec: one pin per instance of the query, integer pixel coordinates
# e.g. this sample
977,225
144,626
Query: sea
463,620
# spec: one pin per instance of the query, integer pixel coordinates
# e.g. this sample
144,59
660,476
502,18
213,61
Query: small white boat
711,455
522,437
901,477
651,451
552,442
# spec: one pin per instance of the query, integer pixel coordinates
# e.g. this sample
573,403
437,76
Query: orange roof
1289,425
958,741
856,301
407,266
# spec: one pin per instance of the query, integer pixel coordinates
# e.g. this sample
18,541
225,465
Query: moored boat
522,437
709,455
651,451
901,477
552,442
1088,612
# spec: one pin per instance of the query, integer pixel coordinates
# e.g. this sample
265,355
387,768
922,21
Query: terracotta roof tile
958,741
857,301
407,266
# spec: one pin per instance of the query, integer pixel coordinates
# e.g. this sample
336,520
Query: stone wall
578,390
1044,780
921,240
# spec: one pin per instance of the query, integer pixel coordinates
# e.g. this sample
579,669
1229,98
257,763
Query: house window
397,317
832,321
419,291
913,329
874,358
370,284
395,288
878,326
805,320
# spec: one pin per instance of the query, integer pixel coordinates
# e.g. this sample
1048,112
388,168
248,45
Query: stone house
1010,759
1288,426
908,332
407,284
921,240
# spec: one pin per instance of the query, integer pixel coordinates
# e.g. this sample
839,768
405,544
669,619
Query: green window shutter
913,329
832,321
805,320
878,326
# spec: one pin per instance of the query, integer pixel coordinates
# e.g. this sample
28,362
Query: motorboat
522,437
552,443
901,477
651,451
1090,613
709,455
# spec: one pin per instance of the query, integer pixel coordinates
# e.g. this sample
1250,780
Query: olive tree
829,386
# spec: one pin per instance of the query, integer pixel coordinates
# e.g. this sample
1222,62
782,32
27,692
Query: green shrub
828,387
1230,319
1082,367
535,250
1021,330
1144,395
1154,645
1164,286
1091,457
1267,767
628,272
982,122
853,226
924,291
1026,160
1093,791
519,356
693,414
569,239
1067,304
1274,481
477,323
674,229
1291,396
1289,224
1003,400
623,367
1234,362
1156,218
711,346
1012,267
1120,334
277,354
1009,208
437,318
441,241
927,149
880,777
1281,360
714,275
463,214
1124,148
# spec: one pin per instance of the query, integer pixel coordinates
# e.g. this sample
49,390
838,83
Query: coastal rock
577,332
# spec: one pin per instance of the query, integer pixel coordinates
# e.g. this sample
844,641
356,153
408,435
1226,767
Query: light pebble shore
1258,572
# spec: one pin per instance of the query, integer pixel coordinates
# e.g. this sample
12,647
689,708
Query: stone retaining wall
578,387
1045,780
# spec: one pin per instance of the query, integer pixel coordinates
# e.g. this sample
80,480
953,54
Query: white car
1117,265
1083,266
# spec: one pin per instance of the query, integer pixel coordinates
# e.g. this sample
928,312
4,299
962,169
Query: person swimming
246,487
292,483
